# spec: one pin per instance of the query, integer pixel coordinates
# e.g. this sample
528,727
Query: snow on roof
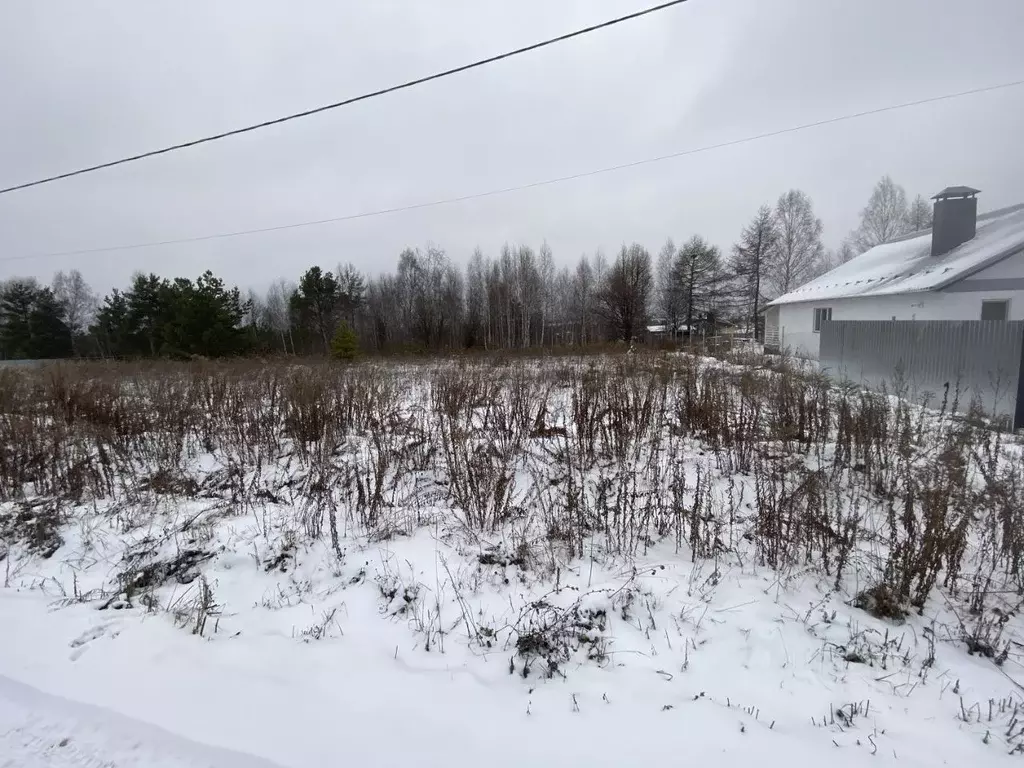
906,266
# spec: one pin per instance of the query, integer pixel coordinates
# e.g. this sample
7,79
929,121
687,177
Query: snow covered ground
41,730
176,629
734,667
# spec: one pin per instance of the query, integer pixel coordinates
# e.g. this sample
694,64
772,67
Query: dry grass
746,457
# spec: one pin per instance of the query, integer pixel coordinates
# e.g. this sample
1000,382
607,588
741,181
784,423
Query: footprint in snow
80,643
89,634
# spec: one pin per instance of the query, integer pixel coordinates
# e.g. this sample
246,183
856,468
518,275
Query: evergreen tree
316,303
51,337
147,298
178,318
111,328
32,323
209,317
16,300
345,343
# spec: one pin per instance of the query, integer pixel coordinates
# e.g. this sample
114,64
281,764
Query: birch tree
278,315
800,252
668,297
77,300
885,217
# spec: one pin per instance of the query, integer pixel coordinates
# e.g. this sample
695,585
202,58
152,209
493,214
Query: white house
967,267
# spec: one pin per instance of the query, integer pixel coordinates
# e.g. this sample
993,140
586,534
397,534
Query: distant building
967,267
705,324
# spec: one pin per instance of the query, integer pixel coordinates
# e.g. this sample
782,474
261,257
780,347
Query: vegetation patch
34,524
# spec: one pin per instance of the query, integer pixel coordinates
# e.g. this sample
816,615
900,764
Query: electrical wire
522,187
352,100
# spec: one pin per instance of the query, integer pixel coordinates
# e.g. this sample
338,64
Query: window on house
821,314
995,310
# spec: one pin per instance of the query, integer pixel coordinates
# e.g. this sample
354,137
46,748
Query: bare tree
529,292
546,278
507,287
351,292
564,325
668,296
885,217
278,315
427,299
77,300
584,295
698,274
920,216
800,252
477,321
383,298
752,258
845,253
626,292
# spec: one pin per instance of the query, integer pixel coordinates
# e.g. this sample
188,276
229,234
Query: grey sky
82,83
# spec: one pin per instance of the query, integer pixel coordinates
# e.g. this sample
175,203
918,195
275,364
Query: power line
531,185
354,99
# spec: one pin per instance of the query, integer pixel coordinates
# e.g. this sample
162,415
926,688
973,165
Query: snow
38,730
729,664
267,647
906,266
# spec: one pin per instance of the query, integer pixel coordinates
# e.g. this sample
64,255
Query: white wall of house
796,321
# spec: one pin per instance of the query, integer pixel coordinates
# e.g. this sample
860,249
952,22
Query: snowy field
576,561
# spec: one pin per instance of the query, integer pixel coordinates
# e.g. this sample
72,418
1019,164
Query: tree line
519,298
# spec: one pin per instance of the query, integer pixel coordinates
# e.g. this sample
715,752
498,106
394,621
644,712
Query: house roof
907,266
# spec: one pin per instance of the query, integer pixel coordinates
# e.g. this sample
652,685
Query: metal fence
980,360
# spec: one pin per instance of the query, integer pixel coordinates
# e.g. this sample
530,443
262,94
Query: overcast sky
86,82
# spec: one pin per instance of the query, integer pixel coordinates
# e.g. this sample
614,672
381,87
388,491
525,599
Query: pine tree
16,300
111,328
51,336
146,298
32,323
345,343
316,303
173,318
215,315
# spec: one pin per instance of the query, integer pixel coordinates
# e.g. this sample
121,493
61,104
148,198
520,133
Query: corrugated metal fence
982,359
